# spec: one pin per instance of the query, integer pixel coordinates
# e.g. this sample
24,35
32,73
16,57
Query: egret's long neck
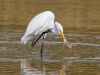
53,30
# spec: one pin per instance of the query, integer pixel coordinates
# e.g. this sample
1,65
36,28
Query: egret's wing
35,24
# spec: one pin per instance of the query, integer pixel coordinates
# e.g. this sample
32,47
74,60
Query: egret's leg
42,45
33,40
33,43
34,37
41,51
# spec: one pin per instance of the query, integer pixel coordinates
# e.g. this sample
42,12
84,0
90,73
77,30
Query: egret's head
60,30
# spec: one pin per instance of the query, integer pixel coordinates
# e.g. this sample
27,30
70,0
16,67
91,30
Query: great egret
41,24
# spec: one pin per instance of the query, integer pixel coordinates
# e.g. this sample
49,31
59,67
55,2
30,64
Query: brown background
70,13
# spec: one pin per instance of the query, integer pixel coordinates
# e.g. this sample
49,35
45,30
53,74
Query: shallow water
82,59
18,59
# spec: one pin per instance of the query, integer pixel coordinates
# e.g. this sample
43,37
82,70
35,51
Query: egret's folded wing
35,24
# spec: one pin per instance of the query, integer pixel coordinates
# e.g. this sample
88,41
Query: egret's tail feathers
23,41
26,38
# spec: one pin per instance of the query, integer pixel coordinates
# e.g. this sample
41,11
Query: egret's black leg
33,43
42,46
33,40
41,51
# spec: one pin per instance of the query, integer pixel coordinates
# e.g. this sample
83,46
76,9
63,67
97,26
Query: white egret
42,24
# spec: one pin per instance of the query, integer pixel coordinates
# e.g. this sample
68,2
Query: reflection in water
65,67
31,67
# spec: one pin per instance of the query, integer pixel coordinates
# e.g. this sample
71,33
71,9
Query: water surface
80,20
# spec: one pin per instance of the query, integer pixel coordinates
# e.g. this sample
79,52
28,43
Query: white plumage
43,22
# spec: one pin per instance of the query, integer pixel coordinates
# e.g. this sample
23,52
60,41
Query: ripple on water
85,50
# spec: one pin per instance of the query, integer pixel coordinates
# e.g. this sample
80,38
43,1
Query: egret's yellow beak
63,37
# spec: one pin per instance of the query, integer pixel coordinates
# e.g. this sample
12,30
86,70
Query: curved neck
55,30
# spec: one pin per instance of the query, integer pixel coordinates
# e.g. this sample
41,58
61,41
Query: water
80,20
